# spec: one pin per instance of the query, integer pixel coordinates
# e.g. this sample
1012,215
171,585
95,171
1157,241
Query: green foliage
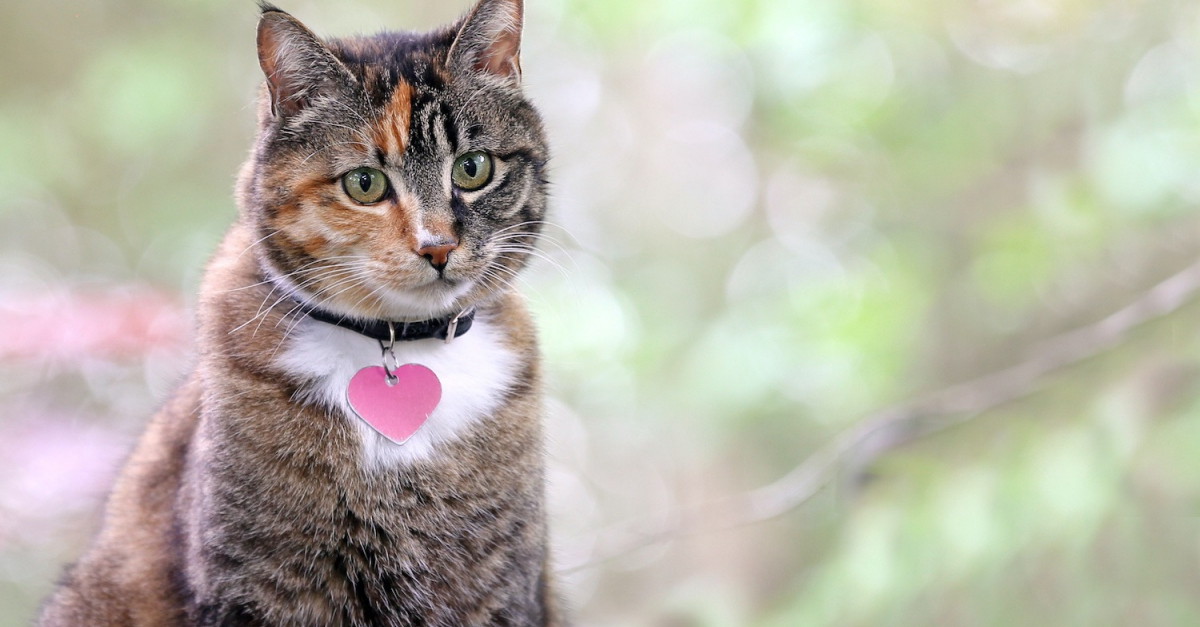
773,217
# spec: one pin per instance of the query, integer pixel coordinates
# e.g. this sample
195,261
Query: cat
396,186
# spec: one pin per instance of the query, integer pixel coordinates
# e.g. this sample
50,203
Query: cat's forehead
414,103
386,61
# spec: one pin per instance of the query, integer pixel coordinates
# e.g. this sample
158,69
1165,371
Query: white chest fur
475,371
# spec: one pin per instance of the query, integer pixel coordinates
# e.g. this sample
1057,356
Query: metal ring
390,370
395,363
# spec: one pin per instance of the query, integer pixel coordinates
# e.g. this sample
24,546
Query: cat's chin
434,299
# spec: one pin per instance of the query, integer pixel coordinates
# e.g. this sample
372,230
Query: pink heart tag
396,411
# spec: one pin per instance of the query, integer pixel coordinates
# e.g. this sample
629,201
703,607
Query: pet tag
395,406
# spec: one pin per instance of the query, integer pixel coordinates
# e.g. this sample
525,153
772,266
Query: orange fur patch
391,131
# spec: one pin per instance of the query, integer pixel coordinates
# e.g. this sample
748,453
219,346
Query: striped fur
254,497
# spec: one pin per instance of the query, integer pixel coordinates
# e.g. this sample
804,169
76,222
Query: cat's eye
472,171
365,185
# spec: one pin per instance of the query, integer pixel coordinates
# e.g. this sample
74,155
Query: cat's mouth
442,286
443,282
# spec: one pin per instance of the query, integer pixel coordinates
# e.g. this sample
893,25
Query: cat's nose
437,255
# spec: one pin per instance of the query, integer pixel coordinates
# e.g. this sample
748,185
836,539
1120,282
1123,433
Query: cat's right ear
489,40
297,65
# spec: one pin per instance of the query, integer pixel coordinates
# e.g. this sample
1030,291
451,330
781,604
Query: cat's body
257,496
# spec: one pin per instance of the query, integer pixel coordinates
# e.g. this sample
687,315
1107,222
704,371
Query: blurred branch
890,427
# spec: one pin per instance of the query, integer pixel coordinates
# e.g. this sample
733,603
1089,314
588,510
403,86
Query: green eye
472,171
365,185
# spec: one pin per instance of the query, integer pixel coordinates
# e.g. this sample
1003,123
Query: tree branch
897,424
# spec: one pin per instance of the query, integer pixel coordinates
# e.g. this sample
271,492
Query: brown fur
299,485
243,503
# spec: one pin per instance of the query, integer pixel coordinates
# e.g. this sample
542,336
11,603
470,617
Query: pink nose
437,256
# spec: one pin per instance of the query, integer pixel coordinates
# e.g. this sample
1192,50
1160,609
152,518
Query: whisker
288,275
350,283
537,254
256,242
347,275
508,276
336,270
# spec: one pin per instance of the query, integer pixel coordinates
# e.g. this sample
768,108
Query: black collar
386,330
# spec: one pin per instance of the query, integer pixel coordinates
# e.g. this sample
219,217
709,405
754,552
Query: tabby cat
359,442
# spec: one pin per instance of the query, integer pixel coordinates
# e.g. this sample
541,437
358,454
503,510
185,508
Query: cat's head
400,175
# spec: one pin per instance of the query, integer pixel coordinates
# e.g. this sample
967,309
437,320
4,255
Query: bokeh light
773,219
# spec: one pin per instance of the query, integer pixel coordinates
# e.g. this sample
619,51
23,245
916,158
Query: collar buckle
452,328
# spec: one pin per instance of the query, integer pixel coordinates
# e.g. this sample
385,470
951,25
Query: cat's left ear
298,67
489,40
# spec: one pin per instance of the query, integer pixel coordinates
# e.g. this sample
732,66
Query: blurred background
775,220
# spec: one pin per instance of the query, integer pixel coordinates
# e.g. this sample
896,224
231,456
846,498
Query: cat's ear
489,40
297,65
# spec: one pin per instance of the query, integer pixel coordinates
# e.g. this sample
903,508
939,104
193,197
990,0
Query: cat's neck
248,325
